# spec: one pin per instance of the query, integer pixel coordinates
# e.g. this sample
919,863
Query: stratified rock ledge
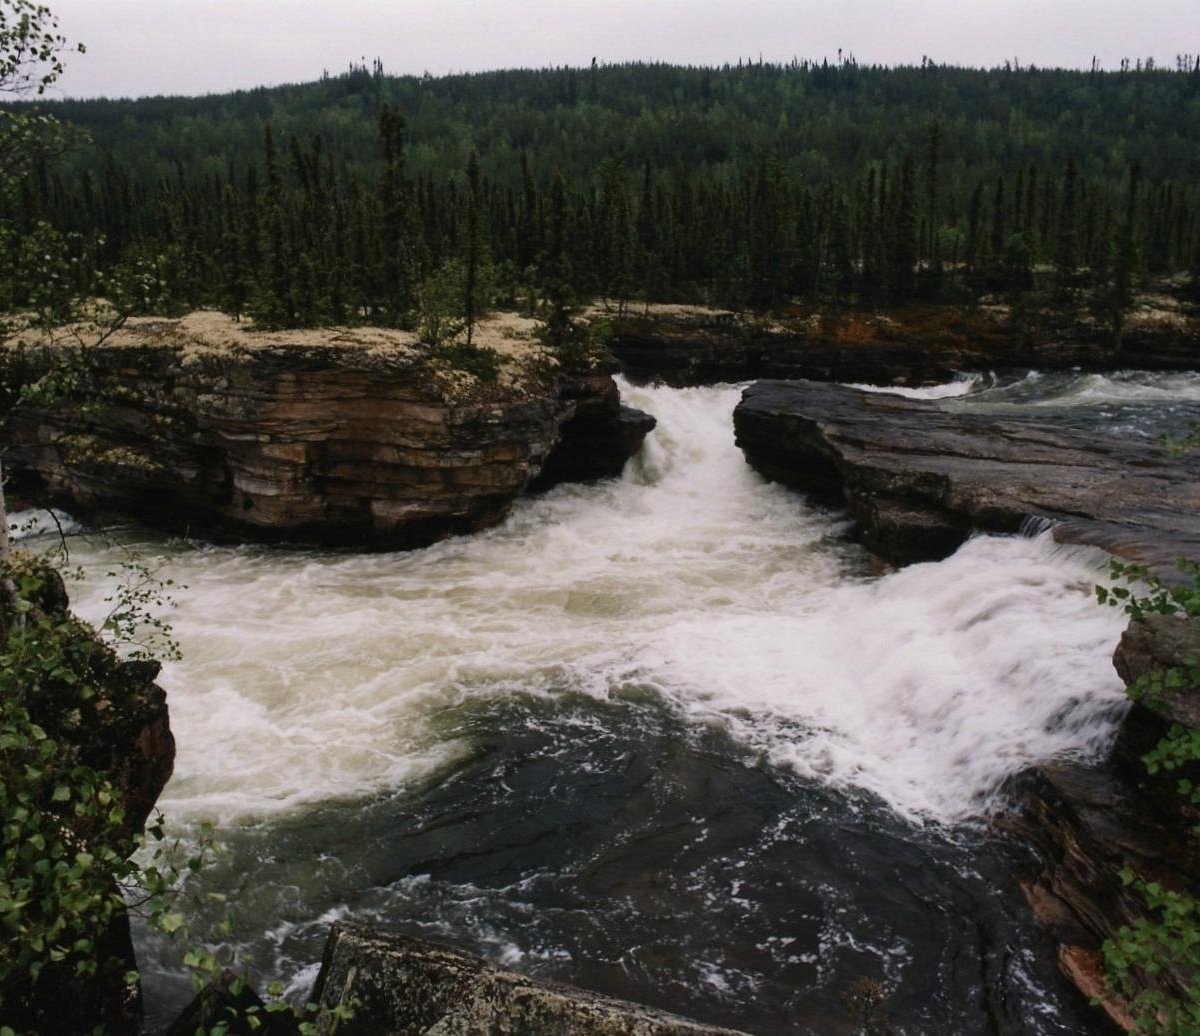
345,437
404,987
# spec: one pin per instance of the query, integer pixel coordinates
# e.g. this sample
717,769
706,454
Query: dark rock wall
918,479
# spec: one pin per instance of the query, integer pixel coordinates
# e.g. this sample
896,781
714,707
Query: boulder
398,986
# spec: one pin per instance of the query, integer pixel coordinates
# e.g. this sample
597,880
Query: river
667,736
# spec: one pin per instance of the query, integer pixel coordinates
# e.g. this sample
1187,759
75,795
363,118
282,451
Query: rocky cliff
358,437
1091,826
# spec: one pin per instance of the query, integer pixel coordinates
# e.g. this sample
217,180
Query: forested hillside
749,186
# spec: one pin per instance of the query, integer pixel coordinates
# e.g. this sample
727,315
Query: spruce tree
528,242
234,279
999,235
398,266
272,306
904,235
476,261
1065,245
1125,260
974,240
933,255
555,270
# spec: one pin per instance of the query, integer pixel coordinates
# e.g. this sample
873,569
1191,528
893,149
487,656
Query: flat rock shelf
919,477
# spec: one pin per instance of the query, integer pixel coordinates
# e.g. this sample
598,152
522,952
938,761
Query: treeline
371,198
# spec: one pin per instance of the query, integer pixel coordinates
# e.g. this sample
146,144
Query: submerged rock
918,478
399,986
358,437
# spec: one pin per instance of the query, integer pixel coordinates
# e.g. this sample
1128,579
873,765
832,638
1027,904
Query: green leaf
171,923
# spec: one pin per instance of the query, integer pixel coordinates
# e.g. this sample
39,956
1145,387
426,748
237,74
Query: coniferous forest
356,197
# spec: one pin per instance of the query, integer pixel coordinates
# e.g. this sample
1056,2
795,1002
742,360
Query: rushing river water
665,737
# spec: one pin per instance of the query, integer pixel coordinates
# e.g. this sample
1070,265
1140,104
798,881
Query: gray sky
138,47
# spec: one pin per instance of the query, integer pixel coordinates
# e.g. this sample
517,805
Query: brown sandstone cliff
357,437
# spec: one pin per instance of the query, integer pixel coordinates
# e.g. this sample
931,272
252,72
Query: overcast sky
139,47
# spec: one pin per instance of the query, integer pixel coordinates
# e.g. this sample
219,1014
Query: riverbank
911,345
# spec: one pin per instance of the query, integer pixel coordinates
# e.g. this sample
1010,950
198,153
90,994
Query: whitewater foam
313,676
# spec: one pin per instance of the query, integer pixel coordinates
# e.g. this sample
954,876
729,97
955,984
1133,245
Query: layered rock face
405,987
918,478
692,346
359,438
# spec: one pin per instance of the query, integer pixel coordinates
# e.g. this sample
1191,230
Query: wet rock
1092,825
918,477
404,987
1085,968
358,438
1158,643
599,437
1088,825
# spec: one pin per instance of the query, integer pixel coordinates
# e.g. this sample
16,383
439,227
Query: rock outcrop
918,478
1092,825
120,729
601,434
919,345
354,437
397,986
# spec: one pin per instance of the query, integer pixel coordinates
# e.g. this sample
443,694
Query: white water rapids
310,677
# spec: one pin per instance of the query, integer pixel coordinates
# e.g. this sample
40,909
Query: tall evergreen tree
555,270
398,273
999,234
933,257
1065,247
904,235
274,301
1126,259
476,260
